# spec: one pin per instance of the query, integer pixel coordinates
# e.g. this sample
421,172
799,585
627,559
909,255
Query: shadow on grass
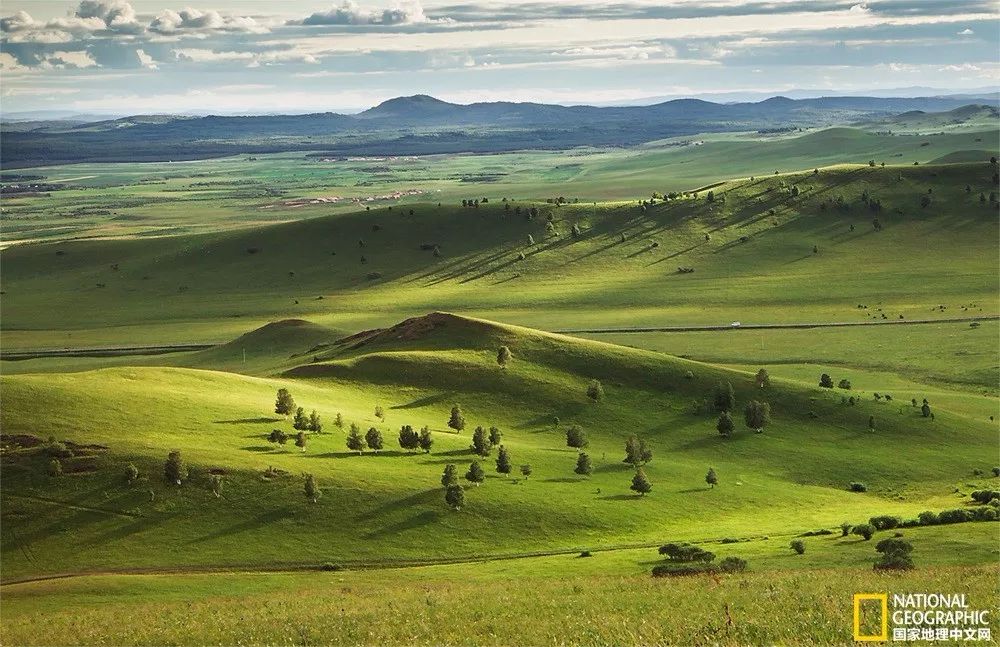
620,497
260,520
258,448
425,401
563,479
406,502
416,521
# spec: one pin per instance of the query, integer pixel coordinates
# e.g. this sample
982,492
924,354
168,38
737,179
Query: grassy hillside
109,200
378,508
758,253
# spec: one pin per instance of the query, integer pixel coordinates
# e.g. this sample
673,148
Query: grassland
752,251
289,300
106,200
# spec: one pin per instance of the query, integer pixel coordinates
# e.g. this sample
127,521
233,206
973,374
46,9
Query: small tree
798,546
454,496
762,379
826,381
300,421
300,440
315,424
379,412
408,438
475,474
426,440
712,478
583,465
374,439
526,471
504,356
925,410
895,555
595,391
284,404
495,436
637,452
640,483
725,424
457,420
871,424
354,440
576,438
757,415
174,470
339,421
312,490
724,398
55,468
504,466
865,530
450,476
480,442
845,529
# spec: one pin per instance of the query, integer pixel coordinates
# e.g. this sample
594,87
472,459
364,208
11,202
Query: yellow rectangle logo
882,598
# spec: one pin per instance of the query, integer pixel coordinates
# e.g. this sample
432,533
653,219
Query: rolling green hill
389,507
759,251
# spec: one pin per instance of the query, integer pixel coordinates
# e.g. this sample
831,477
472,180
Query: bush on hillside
885,522
858,487
865,530
798,546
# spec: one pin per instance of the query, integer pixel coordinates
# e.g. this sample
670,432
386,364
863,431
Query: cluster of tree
688,559
411,440
637,452
372,439
483,442
285,405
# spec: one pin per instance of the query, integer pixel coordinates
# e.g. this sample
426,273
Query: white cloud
252,59
349,12
966,32
193,20
146,60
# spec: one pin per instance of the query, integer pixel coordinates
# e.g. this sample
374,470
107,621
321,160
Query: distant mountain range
421,124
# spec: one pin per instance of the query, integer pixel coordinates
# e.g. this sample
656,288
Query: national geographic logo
919,616
869,602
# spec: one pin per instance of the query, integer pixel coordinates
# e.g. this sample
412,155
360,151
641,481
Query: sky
292,56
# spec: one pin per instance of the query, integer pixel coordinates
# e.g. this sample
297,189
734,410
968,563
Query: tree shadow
258,448
272,516
249,421
564,479
620,497
406,502
425,401
416,521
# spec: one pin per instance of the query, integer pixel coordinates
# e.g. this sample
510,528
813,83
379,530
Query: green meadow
392,315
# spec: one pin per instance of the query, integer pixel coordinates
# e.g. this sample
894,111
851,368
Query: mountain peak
415,105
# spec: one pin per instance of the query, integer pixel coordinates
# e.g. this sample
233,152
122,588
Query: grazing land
402,312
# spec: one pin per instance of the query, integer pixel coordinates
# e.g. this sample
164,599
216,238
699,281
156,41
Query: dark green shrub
858,487
798,546
954,516
585,553
985,496
686,553
885,522
732,565
865,530
845,529
928,518
895,555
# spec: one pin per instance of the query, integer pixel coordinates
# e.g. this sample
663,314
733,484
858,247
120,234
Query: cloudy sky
229,56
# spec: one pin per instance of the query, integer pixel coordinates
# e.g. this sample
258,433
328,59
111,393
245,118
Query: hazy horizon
227,56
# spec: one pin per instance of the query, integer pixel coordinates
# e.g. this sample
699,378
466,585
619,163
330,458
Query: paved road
112,351
780,326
